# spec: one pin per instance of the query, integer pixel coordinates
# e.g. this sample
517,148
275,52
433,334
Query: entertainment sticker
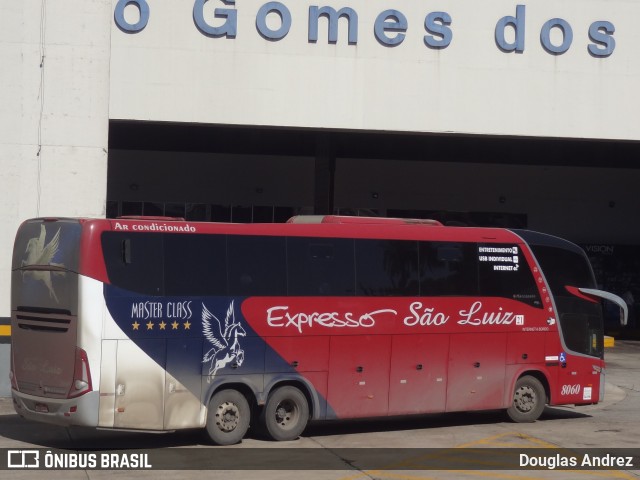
503,259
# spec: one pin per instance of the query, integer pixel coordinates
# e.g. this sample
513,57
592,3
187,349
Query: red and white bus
155,324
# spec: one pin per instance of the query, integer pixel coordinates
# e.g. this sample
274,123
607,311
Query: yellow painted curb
608,341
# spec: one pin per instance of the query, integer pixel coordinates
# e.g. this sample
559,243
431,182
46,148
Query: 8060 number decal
570,390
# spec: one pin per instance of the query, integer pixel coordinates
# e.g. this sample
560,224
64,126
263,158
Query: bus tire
529,399
228,417
286,413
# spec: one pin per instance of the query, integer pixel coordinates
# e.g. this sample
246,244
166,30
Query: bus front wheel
228,417
529,399
285,414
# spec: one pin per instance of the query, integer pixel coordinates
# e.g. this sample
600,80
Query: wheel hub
525,399
284,412
227,416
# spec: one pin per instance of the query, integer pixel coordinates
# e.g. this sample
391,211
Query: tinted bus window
257,265
195,265
504,272
134,261
320,266
448,269
387,268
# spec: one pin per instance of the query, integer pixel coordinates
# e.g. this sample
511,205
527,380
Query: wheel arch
537,374
312,396
244,388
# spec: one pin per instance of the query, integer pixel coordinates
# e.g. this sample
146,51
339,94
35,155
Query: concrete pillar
325,169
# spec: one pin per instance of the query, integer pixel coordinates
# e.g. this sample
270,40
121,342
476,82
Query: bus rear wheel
285,414
529,399
228,417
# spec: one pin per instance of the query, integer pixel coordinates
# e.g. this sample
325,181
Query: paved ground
615,423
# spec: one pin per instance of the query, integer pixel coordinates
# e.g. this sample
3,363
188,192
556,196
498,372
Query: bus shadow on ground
426,422
14,428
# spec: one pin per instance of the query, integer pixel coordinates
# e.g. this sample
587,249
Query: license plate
42,408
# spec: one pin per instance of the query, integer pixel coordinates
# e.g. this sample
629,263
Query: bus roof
322,226
300,226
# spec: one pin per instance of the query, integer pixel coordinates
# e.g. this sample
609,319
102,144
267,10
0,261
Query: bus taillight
81,375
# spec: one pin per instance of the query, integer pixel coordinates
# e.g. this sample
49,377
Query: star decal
175,325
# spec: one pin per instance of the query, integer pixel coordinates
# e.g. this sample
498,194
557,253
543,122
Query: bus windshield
581,321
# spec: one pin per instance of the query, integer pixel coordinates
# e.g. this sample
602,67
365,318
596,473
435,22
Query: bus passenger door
139,392
418,380
359,375
476,371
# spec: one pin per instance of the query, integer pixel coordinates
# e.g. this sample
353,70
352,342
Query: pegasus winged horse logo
39,254
226,346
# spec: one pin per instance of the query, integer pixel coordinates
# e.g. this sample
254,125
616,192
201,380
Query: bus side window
320,266
510,278
449,253
387,267
448,269
257,265
195,264
134,261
